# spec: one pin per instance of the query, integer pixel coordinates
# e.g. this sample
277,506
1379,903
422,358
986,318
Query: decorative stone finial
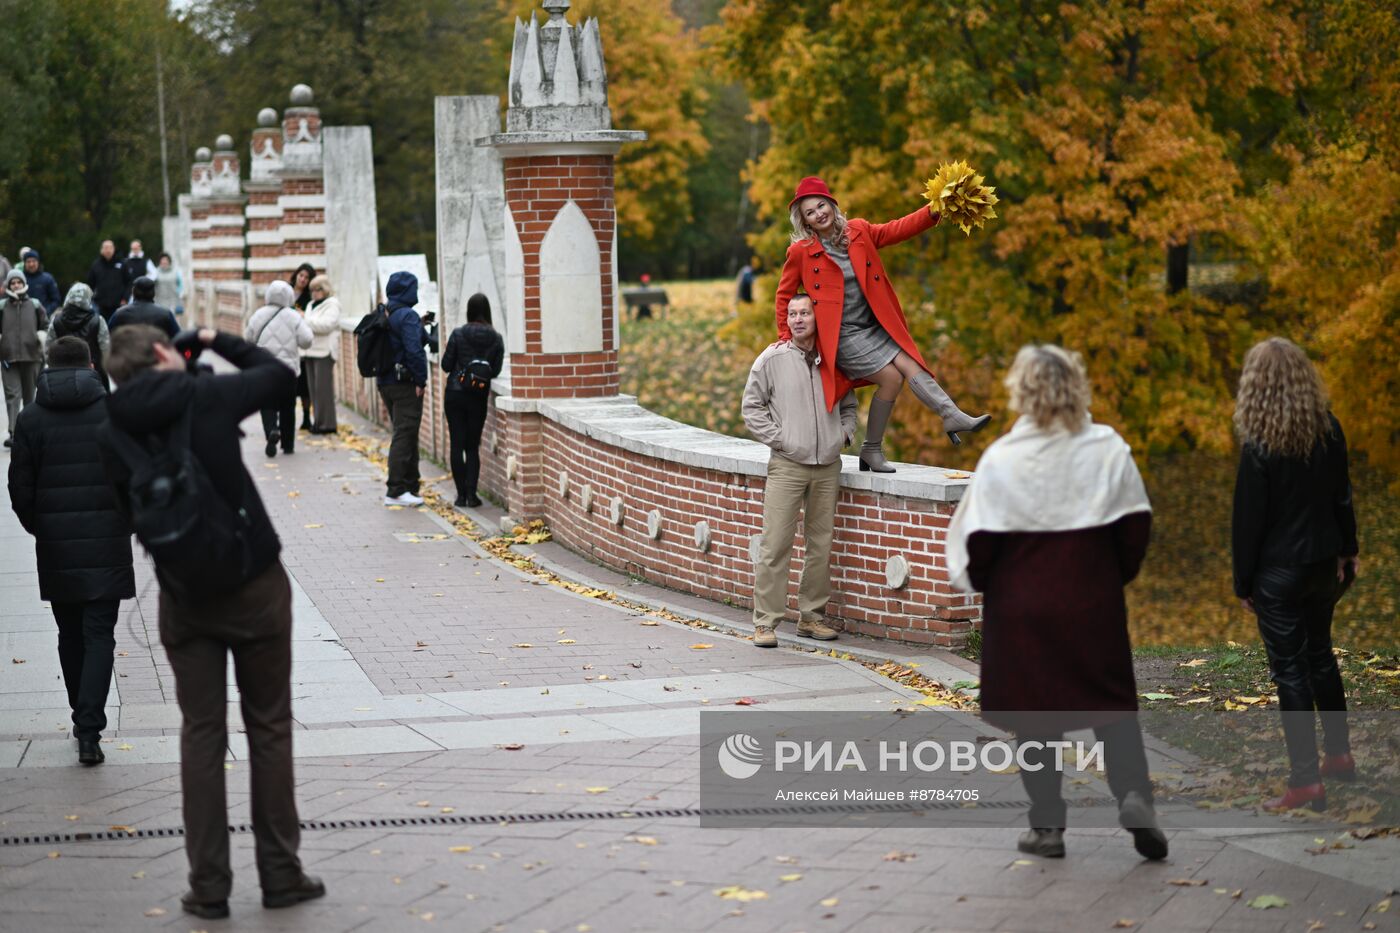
267,117
302,96
557,81
224,142
202,154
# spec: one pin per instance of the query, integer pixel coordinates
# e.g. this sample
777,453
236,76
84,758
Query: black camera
189,346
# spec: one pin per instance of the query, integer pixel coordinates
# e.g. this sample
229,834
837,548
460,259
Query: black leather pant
1294,608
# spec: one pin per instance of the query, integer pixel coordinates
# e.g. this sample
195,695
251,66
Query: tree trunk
1178,265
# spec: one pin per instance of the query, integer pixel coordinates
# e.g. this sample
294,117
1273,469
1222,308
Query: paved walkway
436,684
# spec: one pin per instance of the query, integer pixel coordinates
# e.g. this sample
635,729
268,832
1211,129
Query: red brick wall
536,188
871,528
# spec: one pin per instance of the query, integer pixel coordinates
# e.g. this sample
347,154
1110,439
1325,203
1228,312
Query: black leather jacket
1290,511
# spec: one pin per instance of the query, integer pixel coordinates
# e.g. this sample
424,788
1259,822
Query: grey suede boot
927,390
871,456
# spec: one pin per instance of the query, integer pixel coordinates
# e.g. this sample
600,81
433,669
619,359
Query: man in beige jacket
784,408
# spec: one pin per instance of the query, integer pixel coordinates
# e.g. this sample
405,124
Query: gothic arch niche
571,285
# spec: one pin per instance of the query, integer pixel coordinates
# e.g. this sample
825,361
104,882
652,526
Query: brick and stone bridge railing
525,215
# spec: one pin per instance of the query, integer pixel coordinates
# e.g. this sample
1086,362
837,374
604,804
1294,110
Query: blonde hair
323,283
1050,385
1282,404
800,230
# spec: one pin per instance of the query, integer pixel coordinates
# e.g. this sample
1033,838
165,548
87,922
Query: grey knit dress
865,347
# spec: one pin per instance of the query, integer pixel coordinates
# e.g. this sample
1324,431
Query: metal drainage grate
555,816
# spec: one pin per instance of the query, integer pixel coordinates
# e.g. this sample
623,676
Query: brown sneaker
764,637
818,630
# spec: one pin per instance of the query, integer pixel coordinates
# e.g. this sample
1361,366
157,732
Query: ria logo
740,756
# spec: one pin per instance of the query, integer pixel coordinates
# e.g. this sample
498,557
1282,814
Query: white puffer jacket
324,318
278,327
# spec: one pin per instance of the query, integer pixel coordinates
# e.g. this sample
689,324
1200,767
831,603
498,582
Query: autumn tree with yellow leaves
1125,138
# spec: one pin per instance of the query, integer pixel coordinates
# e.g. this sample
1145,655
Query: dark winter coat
1289,511
1054,620
60,493
86,324
407,336
145,312
475,341
151,402
43,289
109,283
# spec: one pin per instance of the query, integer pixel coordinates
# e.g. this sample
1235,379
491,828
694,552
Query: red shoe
1311,795
1342,767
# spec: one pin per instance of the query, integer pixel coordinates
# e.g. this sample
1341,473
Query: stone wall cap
572,137
620,422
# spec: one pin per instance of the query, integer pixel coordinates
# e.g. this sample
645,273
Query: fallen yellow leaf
596,790
795,876
700,646
735,892
460,849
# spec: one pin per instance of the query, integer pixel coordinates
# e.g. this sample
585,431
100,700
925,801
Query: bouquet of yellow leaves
958,194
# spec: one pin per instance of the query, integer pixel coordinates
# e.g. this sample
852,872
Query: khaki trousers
793,488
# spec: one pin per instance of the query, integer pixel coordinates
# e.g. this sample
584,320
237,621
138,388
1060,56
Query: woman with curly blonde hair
1295,551
1053,526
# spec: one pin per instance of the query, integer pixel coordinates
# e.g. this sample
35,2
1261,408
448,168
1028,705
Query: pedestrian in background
318,360
82,543
474,356
170,286
1052,527
135,265
240,607
107,278
21,320
42,286
78,318
1295,551
401,388
301,285
280,329
144,310
784,408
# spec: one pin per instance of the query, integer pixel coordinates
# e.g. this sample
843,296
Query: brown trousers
320,380
255,623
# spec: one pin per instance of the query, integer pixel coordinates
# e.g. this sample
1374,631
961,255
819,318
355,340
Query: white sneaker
407,498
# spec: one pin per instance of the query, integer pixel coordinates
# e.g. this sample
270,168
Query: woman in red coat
861,332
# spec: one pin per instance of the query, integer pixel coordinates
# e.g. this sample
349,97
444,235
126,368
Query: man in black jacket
199,629
107,278
144,310
61,496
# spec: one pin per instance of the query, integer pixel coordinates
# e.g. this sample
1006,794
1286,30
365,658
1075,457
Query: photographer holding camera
171,452
402,387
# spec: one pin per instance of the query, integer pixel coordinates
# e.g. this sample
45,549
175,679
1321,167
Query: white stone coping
264,237
619,421
292,202
562,142
225,220
285,264
263,211
207,264
222,242
302,231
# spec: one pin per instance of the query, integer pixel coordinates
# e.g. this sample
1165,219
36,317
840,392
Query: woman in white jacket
279,328
318,360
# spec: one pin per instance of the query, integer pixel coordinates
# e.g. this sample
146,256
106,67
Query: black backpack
472,376
197,539
373,350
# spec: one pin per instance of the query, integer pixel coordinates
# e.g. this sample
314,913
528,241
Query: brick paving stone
549,875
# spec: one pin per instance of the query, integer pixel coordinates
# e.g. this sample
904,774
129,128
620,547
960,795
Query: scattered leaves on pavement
735,892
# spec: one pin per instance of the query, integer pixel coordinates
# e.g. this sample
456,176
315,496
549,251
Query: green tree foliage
81,160
371,63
